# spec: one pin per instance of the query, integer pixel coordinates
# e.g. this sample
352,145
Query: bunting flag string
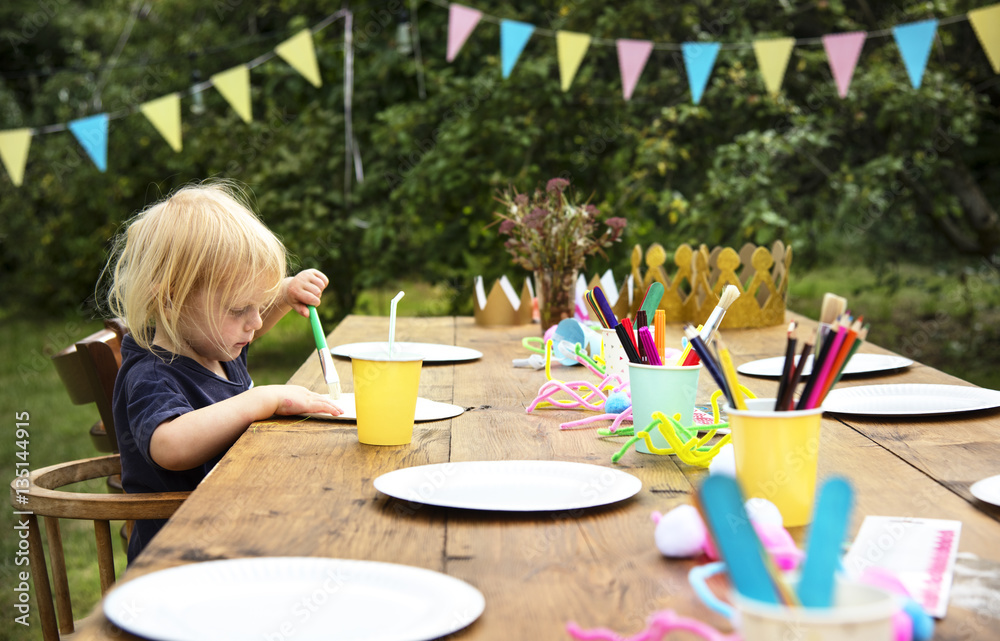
843,50
92,134
914,41
699,58
461,22
164,113
986,24
772,56
513,36
234,85
632,58
14,145
300,54
571,48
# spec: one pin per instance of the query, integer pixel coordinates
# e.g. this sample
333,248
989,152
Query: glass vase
556,295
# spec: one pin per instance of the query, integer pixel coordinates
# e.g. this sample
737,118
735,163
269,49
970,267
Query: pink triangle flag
843,50
461,22
632,57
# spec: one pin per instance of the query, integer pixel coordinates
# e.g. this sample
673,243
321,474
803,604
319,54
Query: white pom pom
724,462
764,512
681,532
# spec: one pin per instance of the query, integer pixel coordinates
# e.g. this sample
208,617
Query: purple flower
592,211
617,223
507,226
557,185
535,219
521,200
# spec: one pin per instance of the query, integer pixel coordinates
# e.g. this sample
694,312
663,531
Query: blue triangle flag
92,132
699,58
914,41
513,36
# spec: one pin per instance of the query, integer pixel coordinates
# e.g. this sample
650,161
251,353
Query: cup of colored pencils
839,342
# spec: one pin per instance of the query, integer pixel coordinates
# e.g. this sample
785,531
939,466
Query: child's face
215,331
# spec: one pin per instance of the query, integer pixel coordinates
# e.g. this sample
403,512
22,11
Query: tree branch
924,202
982,216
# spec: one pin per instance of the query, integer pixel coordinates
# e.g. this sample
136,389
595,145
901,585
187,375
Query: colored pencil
648,345
836,343
789,397
627,344
660,333
786,371
843,355
862,335
818,361
698,345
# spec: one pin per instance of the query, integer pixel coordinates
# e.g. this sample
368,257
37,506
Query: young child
196,278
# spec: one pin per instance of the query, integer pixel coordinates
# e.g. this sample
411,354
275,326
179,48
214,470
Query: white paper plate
859,364
432,352
909,400
295,599
426,410
987,490
510,486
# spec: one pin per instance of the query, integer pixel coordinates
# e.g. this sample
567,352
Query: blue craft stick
734,536
602,300
826,535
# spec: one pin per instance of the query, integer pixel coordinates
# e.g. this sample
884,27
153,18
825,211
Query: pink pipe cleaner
659,624
553,387
585,422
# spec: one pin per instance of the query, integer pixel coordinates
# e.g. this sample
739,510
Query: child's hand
293,399
304,289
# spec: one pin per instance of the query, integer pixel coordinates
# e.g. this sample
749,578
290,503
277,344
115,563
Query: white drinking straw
392,321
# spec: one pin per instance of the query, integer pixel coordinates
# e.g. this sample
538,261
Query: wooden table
290,487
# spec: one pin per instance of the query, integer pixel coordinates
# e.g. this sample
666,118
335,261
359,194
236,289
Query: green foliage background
872,176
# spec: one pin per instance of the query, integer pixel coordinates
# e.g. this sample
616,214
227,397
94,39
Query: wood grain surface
303,487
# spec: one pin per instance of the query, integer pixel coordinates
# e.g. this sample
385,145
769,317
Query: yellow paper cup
859,612
776,455
670,389
385,394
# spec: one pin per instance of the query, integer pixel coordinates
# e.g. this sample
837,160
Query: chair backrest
88,369
44,499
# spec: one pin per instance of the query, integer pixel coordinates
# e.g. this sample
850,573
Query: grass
947,319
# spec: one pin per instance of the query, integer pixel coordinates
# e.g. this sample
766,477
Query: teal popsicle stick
737,541
830,517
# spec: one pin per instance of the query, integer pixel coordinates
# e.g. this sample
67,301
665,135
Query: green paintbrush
325,359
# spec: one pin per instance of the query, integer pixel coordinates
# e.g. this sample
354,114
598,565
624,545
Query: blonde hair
202,237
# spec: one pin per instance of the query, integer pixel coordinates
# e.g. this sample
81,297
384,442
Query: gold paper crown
693,291
500,311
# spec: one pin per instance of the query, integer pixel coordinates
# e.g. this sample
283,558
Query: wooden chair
41,490
88,369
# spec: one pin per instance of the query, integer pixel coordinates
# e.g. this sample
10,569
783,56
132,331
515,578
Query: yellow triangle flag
571,48
986,23
772,57
14,145
165,114
234,85
298,51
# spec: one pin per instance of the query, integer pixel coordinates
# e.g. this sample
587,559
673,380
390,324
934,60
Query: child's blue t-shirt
150,389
